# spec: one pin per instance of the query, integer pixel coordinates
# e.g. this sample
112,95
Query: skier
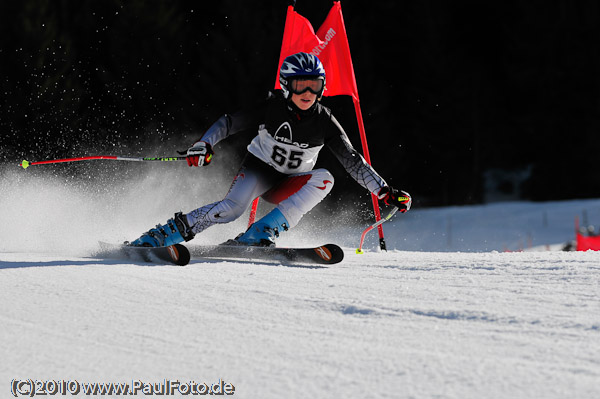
293,126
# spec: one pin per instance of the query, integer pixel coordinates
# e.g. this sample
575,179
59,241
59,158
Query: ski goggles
314,85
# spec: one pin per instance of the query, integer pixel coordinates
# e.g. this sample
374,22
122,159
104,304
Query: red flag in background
330,44
585,243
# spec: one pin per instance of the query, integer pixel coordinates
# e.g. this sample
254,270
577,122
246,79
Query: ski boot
263,232
176,230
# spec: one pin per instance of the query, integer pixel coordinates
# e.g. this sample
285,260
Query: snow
445,313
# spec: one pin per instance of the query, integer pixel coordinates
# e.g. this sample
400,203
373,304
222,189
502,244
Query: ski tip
176,254
24,164
179,254
330,253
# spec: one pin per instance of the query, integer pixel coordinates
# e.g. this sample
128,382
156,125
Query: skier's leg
306,197
295,196
253,179
228,209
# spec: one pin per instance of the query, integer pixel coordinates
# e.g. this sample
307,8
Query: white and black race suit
280,161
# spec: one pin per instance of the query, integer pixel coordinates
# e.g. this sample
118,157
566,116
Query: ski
180,255
327,254
175,254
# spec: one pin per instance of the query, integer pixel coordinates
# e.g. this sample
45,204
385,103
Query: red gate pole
365,147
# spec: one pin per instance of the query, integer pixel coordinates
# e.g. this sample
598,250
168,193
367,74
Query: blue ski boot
176,230
263,232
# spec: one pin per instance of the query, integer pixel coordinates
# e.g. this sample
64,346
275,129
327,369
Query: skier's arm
352,161
230,124
362,172
201,152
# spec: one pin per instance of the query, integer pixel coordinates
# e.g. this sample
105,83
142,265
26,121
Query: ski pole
25,164
381,221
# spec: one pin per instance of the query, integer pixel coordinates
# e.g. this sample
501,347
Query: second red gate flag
330,44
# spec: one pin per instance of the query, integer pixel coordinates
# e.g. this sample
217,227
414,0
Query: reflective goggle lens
299,86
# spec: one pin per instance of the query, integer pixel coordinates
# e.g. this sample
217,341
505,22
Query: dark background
461,99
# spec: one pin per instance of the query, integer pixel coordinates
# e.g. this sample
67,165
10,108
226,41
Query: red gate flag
330,44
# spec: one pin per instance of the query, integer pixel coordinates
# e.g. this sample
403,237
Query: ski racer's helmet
301,72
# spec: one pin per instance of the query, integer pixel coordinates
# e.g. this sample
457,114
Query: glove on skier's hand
200,154
398,198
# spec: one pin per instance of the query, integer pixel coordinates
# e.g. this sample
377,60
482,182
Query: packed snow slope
445,313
